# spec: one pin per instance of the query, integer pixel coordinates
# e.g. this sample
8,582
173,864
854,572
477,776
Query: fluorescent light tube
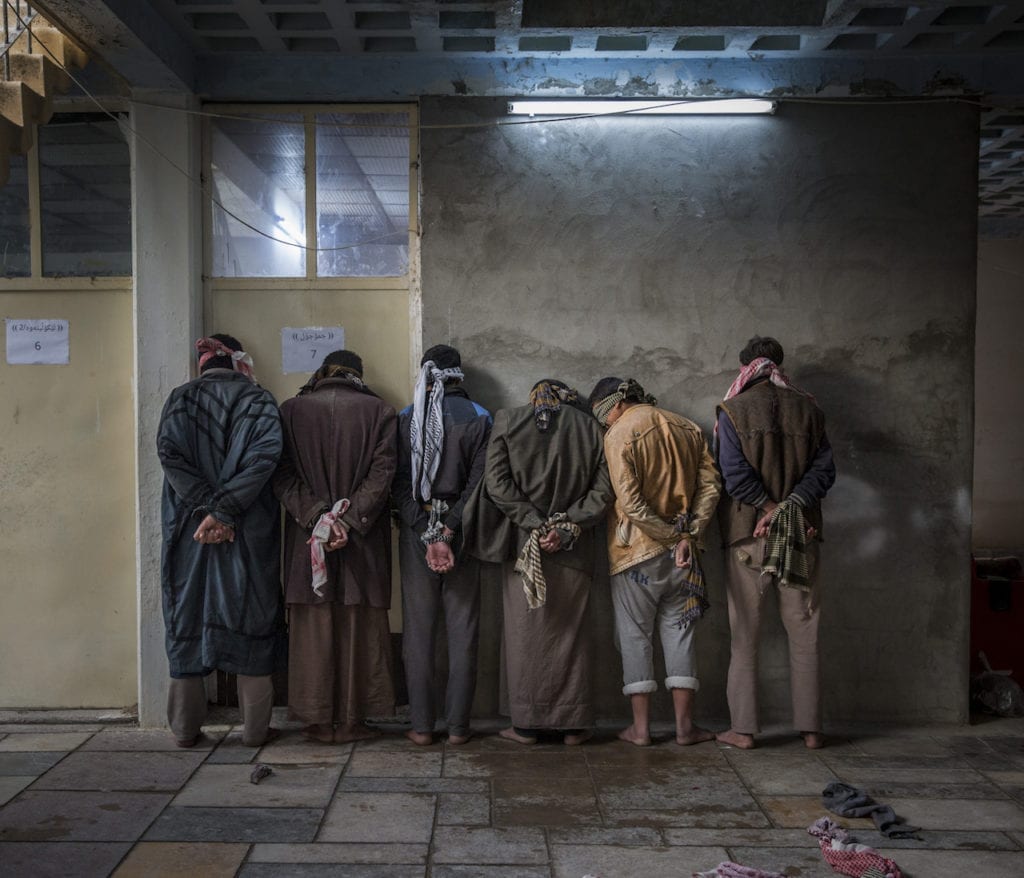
667,107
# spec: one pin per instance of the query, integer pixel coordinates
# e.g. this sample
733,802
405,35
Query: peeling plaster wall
654,248
999,405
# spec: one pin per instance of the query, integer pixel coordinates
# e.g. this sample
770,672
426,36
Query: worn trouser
424,595
648,596
186,707
746,589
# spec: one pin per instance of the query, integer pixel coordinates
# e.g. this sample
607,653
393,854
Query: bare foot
423,739
813,740
353,732
696,735
188,743
319,734
576,740
632,736
736,739
513,735
459,740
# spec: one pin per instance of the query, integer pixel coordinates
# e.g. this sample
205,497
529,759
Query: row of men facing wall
528,489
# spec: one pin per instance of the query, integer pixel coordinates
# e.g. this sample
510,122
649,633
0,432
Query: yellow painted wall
68,627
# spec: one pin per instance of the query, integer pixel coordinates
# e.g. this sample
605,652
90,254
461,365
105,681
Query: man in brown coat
334,479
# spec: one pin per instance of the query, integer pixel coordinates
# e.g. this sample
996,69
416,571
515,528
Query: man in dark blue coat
219,441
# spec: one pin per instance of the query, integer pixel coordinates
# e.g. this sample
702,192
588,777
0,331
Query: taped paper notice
37,342
303,348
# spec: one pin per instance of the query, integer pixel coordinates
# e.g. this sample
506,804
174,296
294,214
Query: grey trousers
186,707
646,597
424,595
746,589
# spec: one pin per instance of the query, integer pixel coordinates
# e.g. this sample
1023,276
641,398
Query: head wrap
426,430
629,390
332,370
547,397
208,348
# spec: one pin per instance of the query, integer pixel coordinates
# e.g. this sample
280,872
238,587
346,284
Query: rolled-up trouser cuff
682,683
640,688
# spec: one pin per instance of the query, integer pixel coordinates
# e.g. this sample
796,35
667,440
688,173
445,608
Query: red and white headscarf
240,360
757,369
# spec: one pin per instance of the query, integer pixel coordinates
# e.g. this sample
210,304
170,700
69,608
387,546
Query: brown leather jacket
660,468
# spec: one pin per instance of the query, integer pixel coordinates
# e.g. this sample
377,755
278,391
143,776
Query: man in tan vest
777,466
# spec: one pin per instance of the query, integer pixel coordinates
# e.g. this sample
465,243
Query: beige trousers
186,707
746,589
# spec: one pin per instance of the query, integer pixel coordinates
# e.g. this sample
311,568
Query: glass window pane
259,191
15,226
362,194
86,197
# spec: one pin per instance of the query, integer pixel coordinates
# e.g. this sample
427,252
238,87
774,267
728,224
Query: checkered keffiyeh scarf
528,564
321,534
208,348
847,858
631,390
547,398
426,431
785,551
695,588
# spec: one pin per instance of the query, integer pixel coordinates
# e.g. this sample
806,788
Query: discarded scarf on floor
847,858
847,801
528,564
208,348
629,390
547,398
785,550
735,870
332,370
321,534
426,430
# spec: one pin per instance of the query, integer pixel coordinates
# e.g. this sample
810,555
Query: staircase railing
17,18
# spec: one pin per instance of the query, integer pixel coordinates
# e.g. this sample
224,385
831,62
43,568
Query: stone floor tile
961,814
11,785
289,786
147,739
610,861
1011,778
413,785
805,861
626,835
534,802
379,817
784,776
328,870
455,871
392,763
20,764
241,825
861,775
293,748
51,859
514,846
1017,838
700,818
458,809
918,747
799,812
121,771
884,791
50,728
955,864
492,742
231,751
324,852
170,859
51,742
522,762
663,755
75,816
940,839
714,789
747,837
392,742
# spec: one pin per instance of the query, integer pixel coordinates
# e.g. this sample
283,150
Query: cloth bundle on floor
735,870
847,801
848,858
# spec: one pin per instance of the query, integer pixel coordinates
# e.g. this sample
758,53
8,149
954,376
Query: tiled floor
94,801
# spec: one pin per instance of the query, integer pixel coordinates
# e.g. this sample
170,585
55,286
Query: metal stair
34,54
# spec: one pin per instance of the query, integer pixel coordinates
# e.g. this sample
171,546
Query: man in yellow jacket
666,488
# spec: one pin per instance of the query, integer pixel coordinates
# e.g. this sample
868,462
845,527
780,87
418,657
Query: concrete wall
999,402
654,247
67,539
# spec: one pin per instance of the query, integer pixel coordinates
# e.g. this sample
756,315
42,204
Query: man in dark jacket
777,466
441,454
547,481
334,481
218,441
